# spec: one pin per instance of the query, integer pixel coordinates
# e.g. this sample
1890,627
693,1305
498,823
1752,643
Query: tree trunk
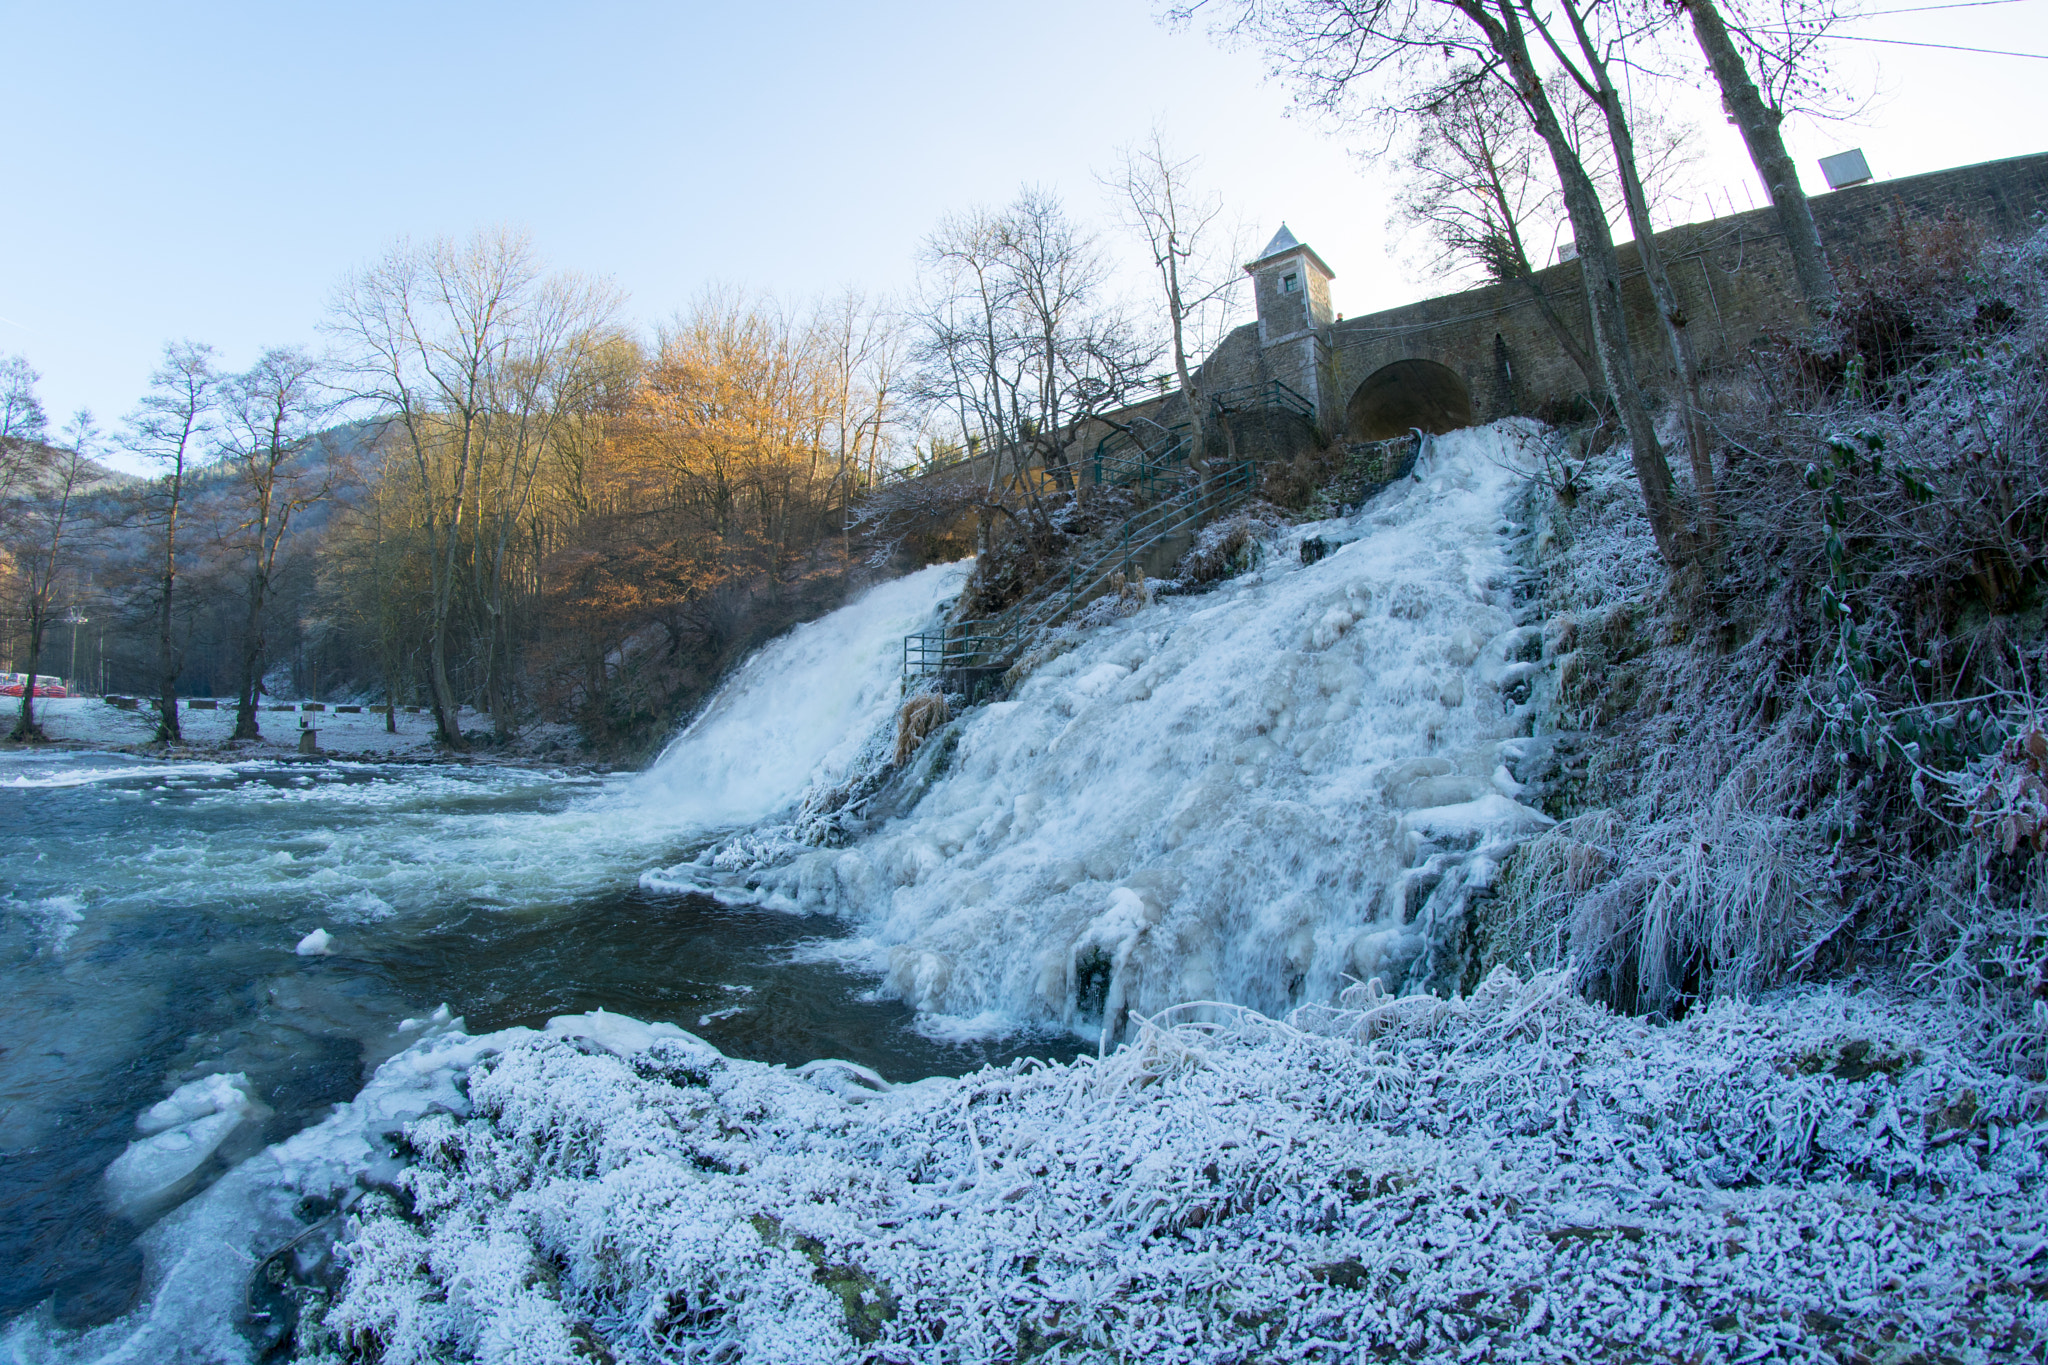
1602,276
1601,273
1759,125
447,727
25,728
167,663
1698,451
252,664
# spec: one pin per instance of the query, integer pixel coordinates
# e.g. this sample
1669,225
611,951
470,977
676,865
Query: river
154,914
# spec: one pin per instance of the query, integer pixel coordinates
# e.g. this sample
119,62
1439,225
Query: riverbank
95,723
1514,1176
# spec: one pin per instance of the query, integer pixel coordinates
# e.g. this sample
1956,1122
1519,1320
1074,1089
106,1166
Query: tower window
1290,283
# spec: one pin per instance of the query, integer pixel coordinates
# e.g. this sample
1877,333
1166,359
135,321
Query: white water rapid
1248,795
259,911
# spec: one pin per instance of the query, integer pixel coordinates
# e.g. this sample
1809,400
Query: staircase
987,645
1149,458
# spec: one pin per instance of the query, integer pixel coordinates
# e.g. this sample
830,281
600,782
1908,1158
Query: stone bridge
1486,353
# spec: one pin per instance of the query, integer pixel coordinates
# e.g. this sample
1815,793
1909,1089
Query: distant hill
42,462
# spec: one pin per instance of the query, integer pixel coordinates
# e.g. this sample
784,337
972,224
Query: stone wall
1733,277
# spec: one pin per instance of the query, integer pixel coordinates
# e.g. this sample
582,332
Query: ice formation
179,1136
1513,1176
1248,795
1187,828
319,943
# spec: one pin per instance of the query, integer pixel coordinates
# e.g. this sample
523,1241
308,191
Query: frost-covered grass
1515,1176
1818,760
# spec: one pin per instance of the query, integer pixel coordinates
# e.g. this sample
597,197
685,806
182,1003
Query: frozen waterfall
1248,795
798,710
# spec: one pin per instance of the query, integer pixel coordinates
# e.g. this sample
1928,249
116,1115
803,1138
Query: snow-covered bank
1247,795
1515,1176
354,734
201,1300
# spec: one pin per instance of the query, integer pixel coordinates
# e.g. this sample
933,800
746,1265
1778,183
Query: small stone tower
1291,286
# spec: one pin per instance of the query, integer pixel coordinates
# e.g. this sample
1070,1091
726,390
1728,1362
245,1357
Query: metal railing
1124,459
1152,462
1271,396
993,642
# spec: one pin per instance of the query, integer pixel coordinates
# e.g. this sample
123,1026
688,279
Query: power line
1944,47
1930,9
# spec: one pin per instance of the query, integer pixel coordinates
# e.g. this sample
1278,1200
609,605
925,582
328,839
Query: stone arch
1406,394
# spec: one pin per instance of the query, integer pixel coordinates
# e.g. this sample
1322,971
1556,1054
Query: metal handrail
1271,395
986,640
1122,460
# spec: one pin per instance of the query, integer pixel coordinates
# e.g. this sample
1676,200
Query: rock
316,944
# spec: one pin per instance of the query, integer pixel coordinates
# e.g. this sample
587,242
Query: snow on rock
204,1258
319,943
1291,773
1514,1176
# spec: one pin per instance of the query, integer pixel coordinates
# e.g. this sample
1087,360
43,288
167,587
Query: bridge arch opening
1406,394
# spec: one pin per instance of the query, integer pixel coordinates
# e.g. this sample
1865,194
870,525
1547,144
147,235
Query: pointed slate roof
1284,243
1283,240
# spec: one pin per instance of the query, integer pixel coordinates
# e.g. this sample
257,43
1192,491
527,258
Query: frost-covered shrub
1228,547
1800,750
1515,1176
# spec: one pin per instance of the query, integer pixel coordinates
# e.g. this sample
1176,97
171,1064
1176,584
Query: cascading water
797,712
200,958
1245,796
1248,795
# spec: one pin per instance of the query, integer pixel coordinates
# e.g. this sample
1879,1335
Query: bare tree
171,427
552,373
22,421
442,337
1474,179
272,414
1195,254
1332,49
1783,54
42,508
1019,343
862,347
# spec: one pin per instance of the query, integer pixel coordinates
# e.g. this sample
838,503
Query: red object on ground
14,684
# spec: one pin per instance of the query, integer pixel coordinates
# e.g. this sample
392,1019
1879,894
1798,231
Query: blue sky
209,170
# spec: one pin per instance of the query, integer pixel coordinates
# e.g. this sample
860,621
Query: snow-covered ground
1513,1176
1220,804
91,720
